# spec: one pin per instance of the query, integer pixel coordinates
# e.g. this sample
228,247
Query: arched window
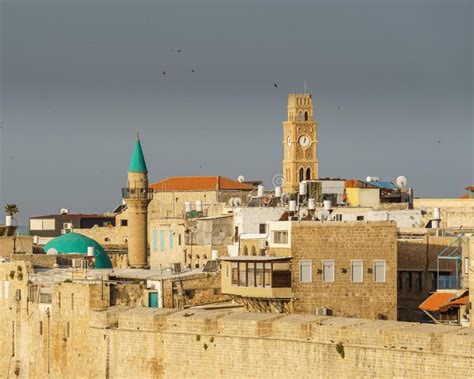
300,116
301,174
308,173
306,116
262,252
254,252
246,251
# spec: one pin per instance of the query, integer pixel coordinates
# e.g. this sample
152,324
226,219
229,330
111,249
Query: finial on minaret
138,136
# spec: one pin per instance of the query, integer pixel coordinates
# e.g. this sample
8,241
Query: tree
11,209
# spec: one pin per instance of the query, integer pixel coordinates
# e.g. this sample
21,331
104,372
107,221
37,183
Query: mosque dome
75,243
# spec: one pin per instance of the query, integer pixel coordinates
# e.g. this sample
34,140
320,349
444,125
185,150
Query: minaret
300,143
137,195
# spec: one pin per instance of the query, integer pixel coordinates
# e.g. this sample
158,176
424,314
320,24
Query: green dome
75,243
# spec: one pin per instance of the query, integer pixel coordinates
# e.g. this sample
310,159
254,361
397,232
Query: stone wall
454,212
120,342
21,244
106,235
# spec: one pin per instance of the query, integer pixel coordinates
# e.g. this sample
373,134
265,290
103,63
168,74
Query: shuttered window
305,272
357,271
155,240
328,271
162,240
379,271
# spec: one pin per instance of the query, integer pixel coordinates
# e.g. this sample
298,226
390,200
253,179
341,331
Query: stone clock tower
300,143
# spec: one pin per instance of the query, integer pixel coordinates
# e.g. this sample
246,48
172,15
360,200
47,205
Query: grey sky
79,79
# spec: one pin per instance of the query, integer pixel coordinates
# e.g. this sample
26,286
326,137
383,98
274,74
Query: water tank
90,251
36,240
199,205
311,204
303,188
327,204
277,191
214,255
292,205
435,224
437,213
187,206
8,220
260,190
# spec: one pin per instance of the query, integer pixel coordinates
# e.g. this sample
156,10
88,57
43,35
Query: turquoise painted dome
75,243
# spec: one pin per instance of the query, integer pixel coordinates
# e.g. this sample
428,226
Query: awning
436,301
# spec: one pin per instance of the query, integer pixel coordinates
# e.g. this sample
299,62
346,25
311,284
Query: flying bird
439,141
338,107
193,71
275,85
163,73
179,51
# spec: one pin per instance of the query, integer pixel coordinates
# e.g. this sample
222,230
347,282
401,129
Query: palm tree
11,209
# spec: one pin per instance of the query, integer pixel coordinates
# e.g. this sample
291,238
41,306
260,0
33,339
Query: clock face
288,142
304,141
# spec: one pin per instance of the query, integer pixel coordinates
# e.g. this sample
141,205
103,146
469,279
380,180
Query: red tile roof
436,301
199,183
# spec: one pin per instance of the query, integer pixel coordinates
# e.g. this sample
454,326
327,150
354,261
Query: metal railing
449,282
137,193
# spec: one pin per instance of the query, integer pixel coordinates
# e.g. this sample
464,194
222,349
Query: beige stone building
339,268
182,204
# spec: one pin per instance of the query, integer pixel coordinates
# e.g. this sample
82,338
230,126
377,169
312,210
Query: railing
449,282
137,193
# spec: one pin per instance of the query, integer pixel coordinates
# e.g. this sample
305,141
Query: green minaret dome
137,160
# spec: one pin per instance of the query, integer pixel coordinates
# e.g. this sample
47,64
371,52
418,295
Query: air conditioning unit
323,311
77,263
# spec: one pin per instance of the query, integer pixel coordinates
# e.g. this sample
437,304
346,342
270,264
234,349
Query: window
305,272
123,222
235,273
306,116
179,239
72,301
45,224
226,270
308,174
338,217
171,244
418,282
360,218
357,271
254,251
301,174
466,265
259,274
251,274
162,240
155,240
400,280
328,271
262,228
68,329
41,328
246,251
280,237
379,271
242,274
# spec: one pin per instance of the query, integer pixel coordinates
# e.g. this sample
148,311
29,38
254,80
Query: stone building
339,268
172,226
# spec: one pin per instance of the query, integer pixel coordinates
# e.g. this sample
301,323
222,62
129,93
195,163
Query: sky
392,86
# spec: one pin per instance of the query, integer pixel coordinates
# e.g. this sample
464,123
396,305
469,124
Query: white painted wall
249,219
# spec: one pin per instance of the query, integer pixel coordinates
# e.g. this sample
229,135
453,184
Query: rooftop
199,183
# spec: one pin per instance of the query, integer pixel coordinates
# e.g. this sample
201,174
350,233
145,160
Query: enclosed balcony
257,276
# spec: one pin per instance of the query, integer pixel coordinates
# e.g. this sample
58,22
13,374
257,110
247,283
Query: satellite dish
241,179
401,182
303,213
230,202
237,202
52,251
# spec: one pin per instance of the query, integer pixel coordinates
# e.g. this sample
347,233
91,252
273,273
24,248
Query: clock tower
300,143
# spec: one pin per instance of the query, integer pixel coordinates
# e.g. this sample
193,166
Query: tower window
301,174
300,116
246,252
308,173
254,251
306,116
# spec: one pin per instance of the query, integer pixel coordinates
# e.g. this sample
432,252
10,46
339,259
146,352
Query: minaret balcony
137,193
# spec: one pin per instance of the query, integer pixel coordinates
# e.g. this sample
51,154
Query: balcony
449,282
137,193
257,277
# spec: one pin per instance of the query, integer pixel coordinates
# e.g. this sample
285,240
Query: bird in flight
163,73
275,85
193,71
178,51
